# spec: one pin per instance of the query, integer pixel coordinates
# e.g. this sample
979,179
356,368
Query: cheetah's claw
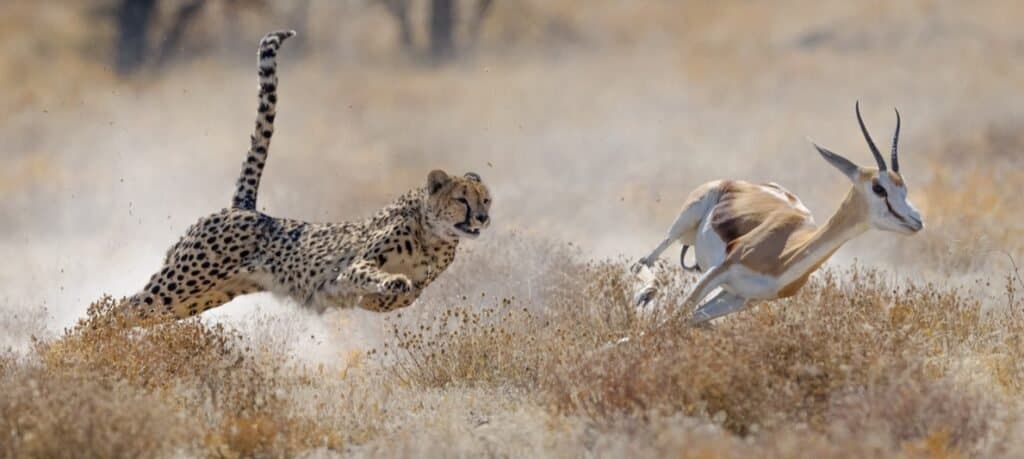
396,285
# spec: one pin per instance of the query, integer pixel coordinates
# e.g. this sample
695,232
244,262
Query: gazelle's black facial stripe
879,190
901,218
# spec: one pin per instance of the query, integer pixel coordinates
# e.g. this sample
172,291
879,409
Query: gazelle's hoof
640,265
645,295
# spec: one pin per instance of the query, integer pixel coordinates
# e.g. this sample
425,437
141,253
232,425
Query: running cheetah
380,264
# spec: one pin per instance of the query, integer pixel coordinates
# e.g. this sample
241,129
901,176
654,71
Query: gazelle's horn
895,161
871,143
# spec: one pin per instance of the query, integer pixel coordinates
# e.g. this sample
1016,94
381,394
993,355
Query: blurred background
124,121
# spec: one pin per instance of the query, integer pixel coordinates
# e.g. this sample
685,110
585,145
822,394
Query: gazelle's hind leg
685,225
721,304
686,222
683,229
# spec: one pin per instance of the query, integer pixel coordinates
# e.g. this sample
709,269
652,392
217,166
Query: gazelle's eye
879,190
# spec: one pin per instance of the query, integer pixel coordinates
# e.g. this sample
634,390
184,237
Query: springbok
759,242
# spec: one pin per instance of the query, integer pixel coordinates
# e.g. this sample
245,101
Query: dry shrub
916,412
162,357
43,414
467,347
228,391
517,343
855,365
849,338
779,363
973,219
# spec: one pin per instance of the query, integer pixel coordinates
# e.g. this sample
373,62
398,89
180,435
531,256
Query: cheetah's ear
473,176
437,180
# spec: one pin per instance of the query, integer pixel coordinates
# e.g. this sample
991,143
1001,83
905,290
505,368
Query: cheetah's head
457,207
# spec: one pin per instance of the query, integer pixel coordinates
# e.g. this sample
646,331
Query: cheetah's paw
396,285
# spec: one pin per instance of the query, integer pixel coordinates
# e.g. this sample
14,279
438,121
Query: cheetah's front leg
386,303
366,277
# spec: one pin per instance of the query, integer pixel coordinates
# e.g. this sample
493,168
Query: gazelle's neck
848,222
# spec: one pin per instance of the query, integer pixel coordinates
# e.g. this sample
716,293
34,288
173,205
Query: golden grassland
590,125
853,366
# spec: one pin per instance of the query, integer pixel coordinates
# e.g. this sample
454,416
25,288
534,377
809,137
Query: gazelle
759,242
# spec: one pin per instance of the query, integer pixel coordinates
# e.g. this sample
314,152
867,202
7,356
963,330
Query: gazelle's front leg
711,280
687,220
721,304
649,260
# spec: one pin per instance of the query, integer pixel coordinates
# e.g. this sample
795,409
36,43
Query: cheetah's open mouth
464,224
464,228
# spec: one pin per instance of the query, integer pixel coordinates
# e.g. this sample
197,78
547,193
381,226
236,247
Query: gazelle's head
884,190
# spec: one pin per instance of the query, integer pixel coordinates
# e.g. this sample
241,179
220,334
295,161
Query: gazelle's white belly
709,248
750,284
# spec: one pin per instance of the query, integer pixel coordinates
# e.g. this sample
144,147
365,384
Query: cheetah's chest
421,264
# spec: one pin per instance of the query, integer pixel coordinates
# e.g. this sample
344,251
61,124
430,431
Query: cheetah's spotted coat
381,263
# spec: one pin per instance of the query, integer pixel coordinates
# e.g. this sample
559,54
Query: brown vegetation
852,365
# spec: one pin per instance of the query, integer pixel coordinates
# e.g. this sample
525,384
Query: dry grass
851,365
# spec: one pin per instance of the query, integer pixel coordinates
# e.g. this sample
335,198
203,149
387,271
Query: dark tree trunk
133,21
172,42
399,9
442,29
482,8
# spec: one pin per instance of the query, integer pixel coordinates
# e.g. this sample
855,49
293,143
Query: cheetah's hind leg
182,296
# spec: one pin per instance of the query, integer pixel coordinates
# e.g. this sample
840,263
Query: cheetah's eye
879,190
463,200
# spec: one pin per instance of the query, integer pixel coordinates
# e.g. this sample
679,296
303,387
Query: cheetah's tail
252,168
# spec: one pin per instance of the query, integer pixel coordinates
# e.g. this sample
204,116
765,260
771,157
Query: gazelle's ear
847,167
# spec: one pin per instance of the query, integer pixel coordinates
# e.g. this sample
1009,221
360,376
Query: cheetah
381,263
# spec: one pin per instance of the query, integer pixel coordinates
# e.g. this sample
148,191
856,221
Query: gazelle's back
743,207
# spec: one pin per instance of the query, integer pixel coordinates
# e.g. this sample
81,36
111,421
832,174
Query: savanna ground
590,121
